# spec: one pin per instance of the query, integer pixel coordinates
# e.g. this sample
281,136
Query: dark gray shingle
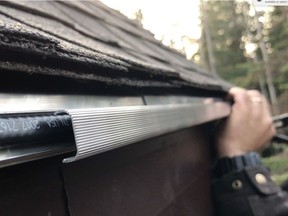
93,42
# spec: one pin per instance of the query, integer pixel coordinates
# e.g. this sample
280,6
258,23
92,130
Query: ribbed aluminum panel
102,129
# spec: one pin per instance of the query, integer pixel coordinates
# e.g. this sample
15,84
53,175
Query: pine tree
278,34
226,29
208,39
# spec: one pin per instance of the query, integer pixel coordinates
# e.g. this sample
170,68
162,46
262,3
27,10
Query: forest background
247,46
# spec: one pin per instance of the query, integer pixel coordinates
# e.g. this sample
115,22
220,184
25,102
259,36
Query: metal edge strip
23,103
103,129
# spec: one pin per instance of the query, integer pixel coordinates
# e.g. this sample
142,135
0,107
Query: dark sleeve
249,192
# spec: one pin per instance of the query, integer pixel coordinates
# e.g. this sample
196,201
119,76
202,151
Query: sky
167,20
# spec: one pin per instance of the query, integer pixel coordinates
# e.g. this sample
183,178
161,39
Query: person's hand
249,125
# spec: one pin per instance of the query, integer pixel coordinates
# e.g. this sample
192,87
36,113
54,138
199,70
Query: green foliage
226,24
272,150
280,178
279,29
278,166
244,74
231,27
278,34
226,31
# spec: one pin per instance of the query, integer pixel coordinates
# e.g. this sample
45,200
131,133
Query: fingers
249,125
245,97
255,97
240,96
258,102
250,102
260,107
254,93
237,92
258,99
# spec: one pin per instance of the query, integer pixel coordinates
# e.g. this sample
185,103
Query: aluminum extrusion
100,123
19,103
103,129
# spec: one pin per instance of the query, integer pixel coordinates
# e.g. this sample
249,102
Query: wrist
229,151
226,165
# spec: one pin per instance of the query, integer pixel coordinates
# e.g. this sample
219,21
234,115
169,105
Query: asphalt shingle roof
89,41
